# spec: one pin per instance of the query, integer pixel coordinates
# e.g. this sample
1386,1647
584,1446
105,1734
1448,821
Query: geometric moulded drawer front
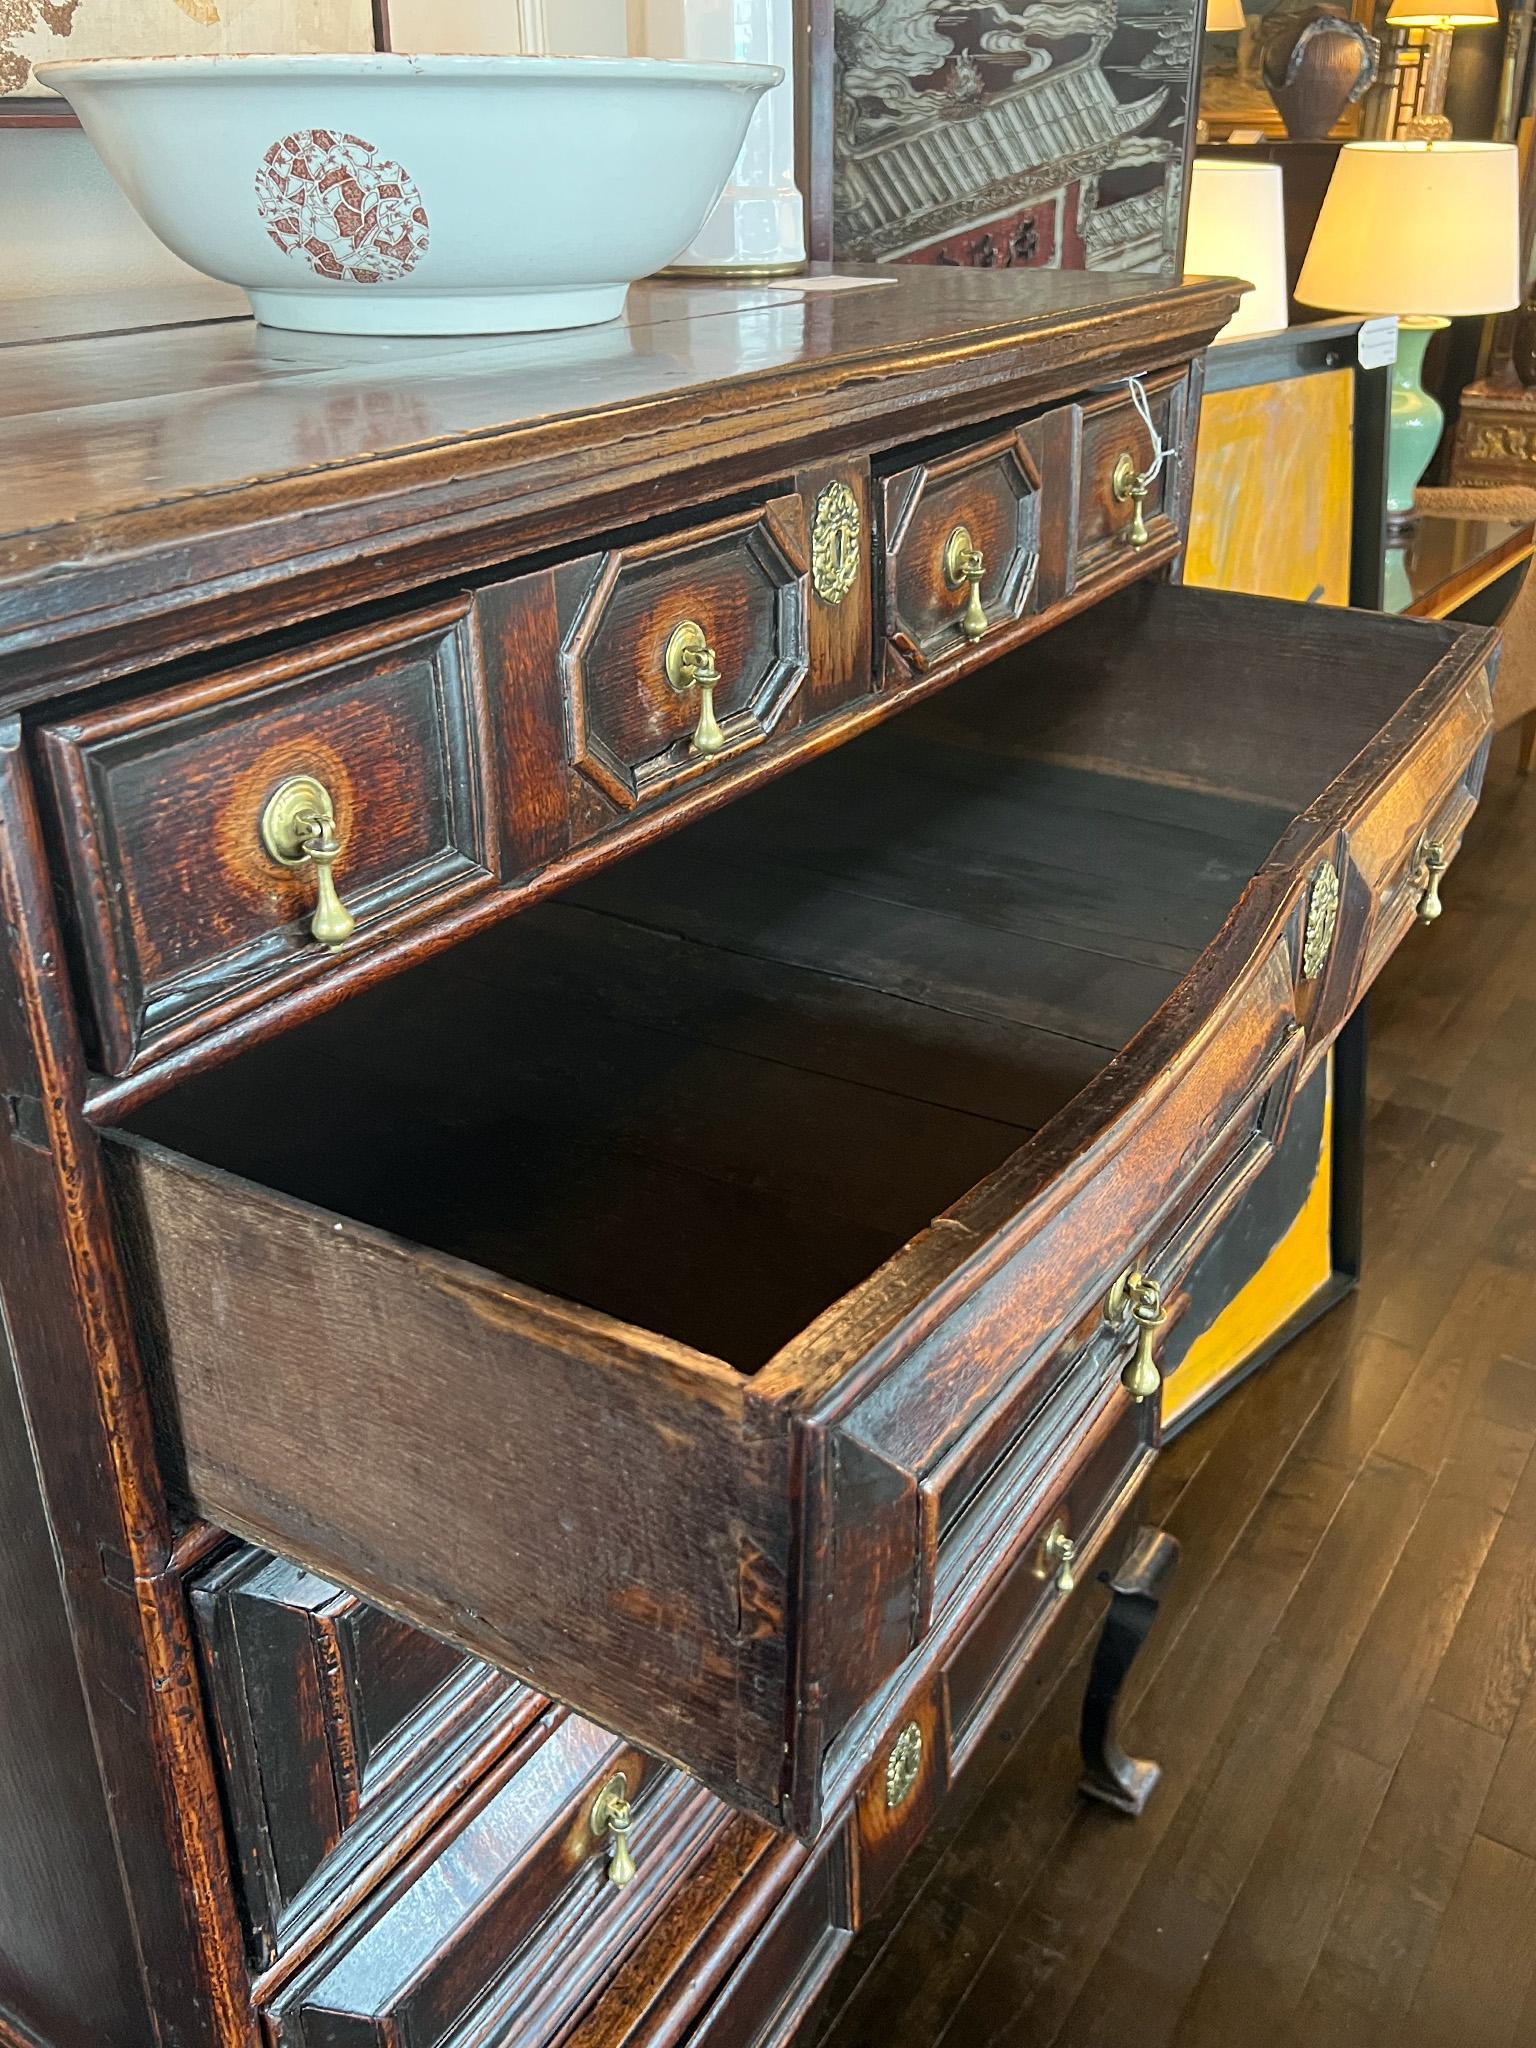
962,554
725,601
1116,451
341,1730
184,916
498,1928
689,1360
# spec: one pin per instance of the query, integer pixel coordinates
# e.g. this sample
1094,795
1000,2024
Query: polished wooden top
1443,559
147,471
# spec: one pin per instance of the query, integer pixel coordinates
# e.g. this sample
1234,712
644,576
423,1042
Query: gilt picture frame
1233,98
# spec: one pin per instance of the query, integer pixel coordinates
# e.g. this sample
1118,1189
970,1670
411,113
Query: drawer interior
712,1089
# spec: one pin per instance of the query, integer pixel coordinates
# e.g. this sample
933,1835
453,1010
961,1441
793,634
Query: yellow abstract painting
1274,500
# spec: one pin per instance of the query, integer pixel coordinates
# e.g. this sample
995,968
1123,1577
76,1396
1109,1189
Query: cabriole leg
1136,1587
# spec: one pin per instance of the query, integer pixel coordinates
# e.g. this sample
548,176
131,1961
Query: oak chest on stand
638,968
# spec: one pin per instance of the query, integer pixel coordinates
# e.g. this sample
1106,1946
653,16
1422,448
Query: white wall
65,226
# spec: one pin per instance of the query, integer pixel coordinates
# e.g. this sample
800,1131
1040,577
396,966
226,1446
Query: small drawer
1043,1573
342,1733
679,655
184,914
1408,836
1115,449
961,555
771,1989
976,1499
503,1924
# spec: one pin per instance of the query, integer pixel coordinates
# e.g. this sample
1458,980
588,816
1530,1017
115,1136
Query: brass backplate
1322,920
835,531
286,823
903,1765
1117,1309
1049,1555
614,1793
959,552
1122,478
686,646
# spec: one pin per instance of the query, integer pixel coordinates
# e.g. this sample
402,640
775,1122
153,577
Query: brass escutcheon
1128,488
1136,1299
903,1765
610,1818
298,829
1322,920
689,664
835,530
964,566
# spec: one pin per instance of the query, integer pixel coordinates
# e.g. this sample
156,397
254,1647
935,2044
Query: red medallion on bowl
354,217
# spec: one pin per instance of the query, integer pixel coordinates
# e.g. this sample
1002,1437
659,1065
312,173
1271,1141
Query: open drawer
664,1294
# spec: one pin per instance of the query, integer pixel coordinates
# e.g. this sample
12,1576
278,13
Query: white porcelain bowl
419,195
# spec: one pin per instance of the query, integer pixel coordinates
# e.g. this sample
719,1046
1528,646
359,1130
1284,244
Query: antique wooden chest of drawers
635,967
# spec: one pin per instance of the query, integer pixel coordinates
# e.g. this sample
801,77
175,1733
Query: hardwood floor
1342,1685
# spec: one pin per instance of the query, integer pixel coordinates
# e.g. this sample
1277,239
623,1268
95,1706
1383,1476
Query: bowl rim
348,67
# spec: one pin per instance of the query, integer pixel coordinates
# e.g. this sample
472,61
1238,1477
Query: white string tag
1160,450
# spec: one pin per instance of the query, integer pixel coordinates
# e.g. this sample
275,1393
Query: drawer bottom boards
787,1039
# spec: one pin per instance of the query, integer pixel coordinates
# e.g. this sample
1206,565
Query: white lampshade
1237,229
1450,14
1223,17
1420,229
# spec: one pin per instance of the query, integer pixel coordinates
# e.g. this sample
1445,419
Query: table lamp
1224,17
1424,230
1439,17
1237,229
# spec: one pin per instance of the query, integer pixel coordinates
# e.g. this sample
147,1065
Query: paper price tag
826,282
1378,342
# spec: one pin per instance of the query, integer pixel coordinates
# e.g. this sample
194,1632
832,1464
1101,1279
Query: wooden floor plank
1264,1955
1385,1925
1491,1660
1398,1657
1509,1815
1474,1987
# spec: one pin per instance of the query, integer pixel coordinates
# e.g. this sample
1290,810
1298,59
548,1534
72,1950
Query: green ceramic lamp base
1416,418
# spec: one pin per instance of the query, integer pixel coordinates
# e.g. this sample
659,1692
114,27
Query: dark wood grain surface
427,1957
1020,1005
993,494
742,583
343,1737
1344,1703
176,489
644,1207
179,904
58,1883
89,1433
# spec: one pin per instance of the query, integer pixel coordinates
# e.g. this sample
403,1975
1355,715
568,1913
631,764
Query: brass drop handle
1431,863
298,829
1136,1299
1130,487
964,564
611,1819
689,662
1058,1554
